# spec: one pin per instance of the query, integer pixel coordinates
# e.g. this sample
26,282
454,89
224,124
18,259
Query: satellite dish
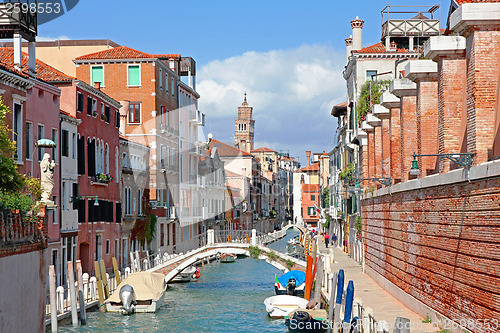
210,136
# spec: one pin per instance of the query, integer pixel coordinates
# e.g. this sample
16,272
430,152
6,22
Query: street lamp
462,159
382,180
83,197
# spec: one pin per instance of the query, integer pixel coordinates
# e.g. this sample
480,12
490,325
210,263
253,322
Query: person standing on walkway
327,239
334,240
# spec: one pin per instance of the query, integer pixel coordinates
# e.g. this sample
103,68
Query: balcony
14,230
13,19
198,148
196,117
168,168
410,28
172,212
164,129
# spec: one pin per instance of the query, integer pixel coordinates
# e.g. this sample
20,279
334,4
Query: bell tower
244,127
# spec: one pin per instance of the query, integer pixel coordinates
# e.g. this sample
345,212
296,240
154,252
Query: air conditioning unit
153,204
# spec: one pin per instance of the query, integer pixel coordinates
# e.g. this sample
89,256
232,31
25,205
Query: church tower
244,127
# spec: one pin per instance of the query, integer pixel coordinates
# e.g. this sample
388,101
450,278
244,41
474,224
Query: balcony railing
412,27
14,18
14,230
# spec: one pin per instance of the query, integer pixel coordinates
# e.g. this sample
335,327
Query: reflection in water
227,298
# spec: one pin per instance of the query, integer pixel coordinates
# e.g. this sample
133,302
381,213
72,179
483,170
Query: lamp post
462,159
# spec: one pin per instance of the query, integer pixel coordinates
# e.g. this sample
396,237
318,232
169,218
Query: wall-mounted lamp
387,181
462,159
83,197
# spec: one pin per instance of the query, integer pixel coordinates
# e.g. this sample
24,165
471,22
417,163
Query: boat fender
301,316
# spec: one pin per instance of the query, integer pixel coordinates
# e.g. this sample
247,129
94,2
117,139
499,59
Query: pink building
35,113
96,194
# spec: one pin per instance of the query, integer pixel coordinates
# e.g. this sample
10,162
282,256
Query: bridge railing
219,236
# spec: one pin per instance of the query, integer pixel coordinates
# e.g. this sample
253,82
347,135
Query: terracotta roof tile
43,71
226,150
461,2
168,56
379,48
263,149
312,167
67,114
124,52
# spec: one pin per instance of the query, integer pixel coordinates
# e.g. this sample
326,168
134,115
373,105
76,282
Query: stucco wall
22,289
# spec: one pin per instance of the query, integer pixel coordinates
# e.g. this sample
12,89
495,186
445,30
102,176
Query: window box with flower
103,178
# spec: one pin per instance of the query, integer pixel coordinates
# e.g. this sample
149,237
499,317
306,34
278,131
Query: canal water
227,298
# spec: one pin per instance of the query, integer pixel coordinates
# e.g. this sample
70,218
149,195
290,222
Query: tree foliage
370,95
10,179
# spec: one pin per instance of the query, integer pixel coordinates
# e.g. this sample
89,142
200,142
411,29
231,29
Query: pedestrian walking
327,239
334,240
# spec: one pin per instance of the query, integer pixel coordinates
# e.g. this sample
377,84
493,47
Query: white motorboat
187,275
282,305
139,292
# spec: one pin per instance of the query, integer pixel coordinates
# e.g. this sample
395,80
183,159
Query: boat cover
146,286
299,276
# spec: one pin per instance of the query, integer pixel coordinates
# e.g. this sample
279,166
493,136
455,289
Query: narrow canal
227,298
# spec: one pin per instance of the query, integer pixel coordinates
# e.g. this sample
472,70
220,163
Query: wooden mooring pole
53,306
81,296
100,290
72,292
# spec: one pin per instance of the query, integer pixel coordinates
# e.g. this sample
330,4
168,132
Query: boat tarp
299,276
146,286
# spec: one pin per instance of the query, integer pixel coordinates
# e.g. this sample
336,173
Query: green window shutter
134,76
97,75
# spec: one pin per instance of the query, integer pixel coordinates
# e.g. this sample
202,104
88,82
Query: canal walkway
385,307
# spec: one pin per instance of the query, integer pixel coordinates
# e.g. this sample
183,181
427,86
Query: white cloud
51,39
291,91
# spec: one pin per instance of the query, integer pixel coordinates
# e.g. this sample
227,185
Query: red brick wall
395,145
371,154
427,123
408,124
483,52
440,245
378,152
386,148
451,104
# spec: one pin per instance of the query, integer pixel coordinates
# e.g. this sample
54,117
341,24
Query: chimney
348,47
123,116
357,34
97,85
394,46
32,58
18,55
308,157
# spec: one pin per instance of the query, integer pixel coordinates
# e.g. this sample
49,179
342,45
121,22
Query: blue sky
287,55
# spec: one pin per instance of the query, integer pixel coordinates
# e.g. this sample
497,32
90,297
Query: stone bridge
172,265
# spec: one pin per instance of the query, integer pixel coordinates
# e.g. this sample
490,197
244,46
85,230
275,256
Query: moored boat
291,283
310,321
187,275
227,257
139,292
281,305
